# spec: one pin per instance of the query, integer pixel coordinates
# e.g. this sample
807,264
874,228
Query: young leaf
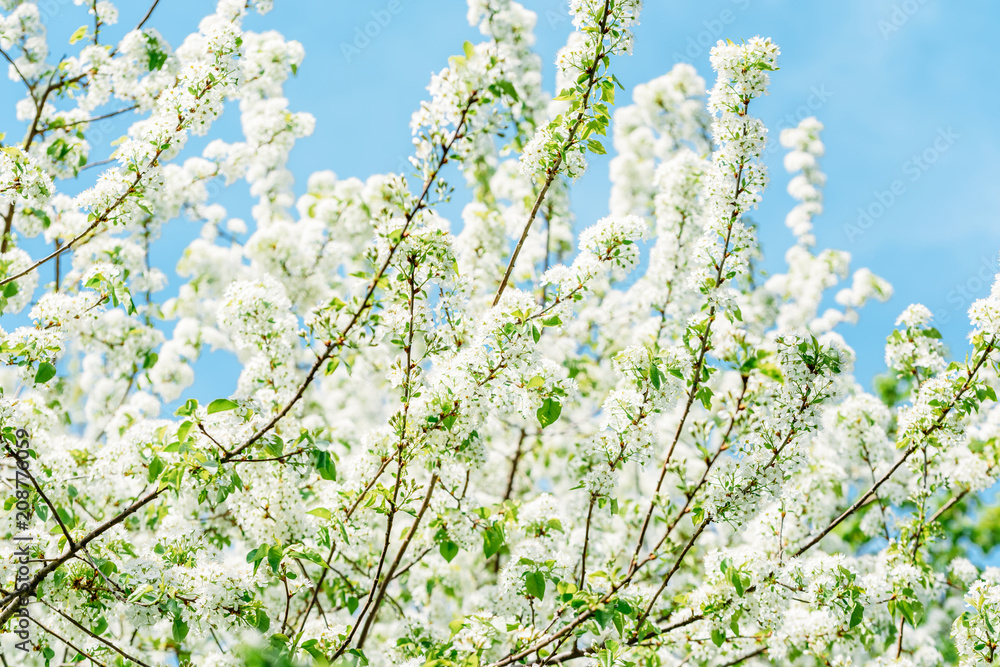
221,405
549,412
493,540
448,550
46,372
535,584
857,614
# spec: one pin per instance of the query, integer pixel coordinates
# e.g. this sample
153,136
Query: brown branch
333,545
110,114
389,575
723,446
553,171
673,570
66,642
703,344
381,563
8,219
954,500
373,285
30,86
586,542
11,602
96,636
141,23
515,460
937,425
97,222
52,508
743,658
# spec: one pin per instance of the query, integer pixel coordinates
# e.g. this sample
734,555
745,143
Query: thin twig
395,563
66,642
971,374
553,171
95,635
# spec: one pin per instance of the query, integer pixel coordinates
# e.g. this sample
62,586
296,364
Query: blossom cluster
504,438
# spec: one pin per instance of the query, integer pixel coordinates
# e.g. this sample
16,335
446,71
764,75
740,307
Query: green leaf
156,60
493,540
180,629
274,447
619,622
156,466
737,581
183,430
469,49
448,550
535,584
325,465
596,146
274,558
904,608
221,405
308,555
321,512
508,88
705,396
654,376
78,34
549,412
718,636
263,622
46,372
857,614
608,92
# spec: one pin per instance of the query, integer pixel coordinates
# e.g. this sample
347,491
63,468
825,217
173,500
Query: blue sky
907,91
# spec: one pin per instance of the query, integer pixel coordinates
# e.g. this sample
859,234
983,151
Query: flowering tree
488,447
